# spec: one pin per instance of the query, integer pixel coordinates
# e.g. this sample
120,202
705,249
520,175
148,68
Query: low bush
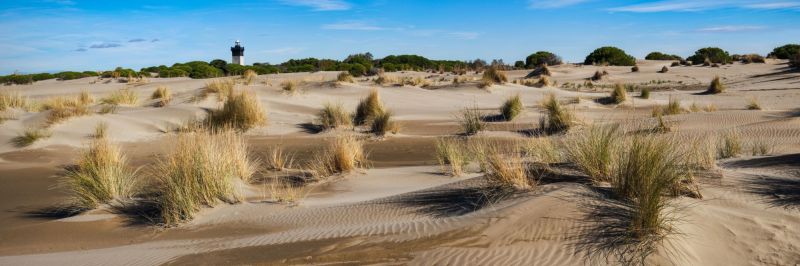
609,56
333,116
368,108
715,87
344,77
710,55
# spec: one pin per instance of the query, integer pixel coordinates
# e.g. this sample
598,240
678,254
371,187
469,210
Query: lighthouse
237,52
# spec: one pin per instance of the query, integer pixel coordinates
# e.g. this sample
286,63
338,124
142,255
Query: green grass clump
100,175
594,150
716,86
29,136
452,156
242,111
368,108
333,116
471,120
512,108
558,118
619,95
645,94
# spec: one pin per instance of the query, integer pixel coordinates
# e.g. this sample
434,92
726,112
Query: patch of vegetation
542,58
29,136
710,54
558,118
163,95
333,116
123,96
619,95
662,56
785,52
716,86
512,107
594,150
609,56
344,154
452,156
368,108
101,175
242,111
471,120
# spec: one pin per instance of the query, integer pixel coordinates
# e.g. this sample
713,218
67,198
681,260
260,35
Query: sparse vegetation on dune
619,94
599,75
730,145
100,130
558,118
121,97
344,154
344,77
100,175
542,149
544,81
12,100
451,153
279,160
716,86
242,111
383,123
762,146
201,170
673,107
635,69
507,169
85,98
594,150
512,107
290,86
249,76
163,94
29,136
664,69
333,115
493,76
752,104
645,93
221,86
471,120
368,108
62,108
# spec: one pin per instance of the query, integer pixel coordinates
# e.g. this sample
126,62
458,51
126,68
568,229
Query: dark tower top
237,50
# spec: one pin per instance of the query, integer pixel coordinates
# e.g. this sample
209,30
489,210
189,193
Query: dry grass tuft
333,116
598,75
452,156
242,111
200,171
645,94
716,86
344,154
672,108
344,76
752,104
493,76
512,107
64,108
594,150
762,146
471,120
544,81
222,87
542,149
249,76
279,160
121,97
13,100
368,108
100,130
558,118
383,123
730,145
163,94
29,136
619,95
100,175
507,170
85,98
711,107
290,86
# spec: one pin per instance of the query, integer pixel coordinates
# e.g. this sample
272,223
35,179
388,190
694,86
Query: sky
58,35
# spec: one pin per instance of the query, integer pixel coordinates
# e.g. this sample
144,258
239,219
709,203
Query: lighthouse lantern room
237,52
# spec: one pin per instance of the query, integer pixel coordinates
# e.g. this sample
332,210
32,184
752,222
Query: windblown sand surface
402,210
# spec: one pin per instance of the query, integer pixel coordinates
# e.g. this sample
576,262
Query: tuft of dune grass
279,160
201,170
242,111
344,154
62,108
333,116
492,76
100,130
85,98
163,95
290,86
344,76
13,100
752,104
593,150
29,136
730,145
507,169
471,120
368,108
121,97
619,94
716,86
384,123
558,118
512,107
101,175
452,155
645,94
249,76
221,86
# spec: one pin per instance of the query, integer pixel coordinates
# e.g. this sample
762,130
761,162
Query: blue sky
56,35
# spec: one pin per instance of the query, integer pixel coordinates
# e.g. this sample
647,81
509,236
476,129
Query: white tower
238,54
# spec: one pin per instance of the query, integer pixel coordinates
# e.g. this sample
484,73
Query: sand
402,210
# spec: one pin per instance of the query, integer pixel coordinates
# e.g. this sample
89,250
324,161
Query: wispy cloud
731,28
351,26
465,35
701,5
154,40
137,40
80,50
547,4
105,45
320,5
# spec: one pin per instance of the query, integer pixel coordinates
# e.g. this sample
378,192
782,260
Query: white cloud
731,28
547,4
320,5
774,5
700,5
350,26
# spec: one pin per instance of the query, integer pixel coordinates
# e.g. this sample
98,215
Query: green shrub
541,58
711,55
752,58
42,76
661,56
785,52
205,71
611,56
645,93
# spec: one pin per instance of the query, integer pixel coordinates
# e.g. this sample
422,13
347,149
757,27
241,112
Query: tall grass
471,120
512,107
163,95
344,76
279,160
507,169
29,136
752,104
452,156
121,97
558,118
12,100
241,111
62,108
290,86
85,98
249,76
730,145
542,149
101,175
384,123
343,154
100,130
594,150
333,116
368,108
673,107
200,171
619,95
645,94
716,86
221,86
493,76
762,146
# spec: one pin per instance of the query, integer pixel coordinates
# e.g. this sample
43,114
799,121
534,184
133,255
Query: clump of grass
661,125
344,76
507,170
100,175
762,146
716,86
383,123
645,94
12,100
62,109
85,98
512,107
368,108
752,104
285,191
730,145
333,116
242,111
249,76
163,95
544,81
29,136
452,156
598,75
558,118
711,107
619,95
594,150
344,154
385,80
493,76
471,120
121,97
635,69
100,130
694,108
200,171
702,153
542,149
664,69
279,160
222,87
108,109
673,107
290,86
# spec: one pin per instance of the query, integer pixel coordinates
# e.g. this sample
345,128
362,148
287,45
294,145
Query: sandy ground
402,210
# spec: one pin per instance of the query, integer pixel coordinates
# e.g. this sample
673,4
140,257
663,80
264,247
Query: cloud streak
551,4
320,5
105,45
731,28
698,5
351,26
